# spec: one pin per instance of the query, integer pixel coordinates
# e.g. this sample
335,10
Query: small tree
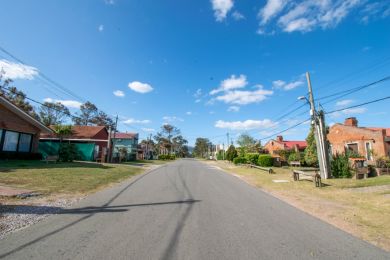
310,155
231,153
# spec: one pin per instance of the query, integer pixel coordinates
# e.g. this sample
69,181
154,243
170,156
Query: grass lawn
360,207
76,177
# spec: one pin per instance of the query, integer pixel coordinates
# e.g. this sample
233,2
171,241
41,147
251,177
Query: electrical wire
359,105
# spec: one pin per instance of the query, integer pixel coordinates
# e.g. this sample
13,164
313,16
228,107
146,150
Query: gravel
22,214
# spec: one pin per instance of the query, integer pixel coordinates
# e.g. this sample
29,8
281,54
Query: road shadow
45,210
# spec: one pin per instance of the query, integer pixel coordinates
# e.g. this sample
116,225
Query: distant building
90,141
273,146
126,141
19,132
369,142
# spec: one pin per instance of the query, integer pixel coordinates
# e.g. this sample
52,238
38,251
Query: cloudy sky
208,67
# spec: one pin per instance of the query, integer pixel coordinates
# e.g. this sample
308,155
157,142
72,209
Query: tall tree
310,154
88,113
102,119
248,144
180,146
202,146
165,136
15,96
53,113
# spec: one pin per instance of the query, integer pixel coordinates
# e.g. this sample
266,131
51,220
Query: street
184,210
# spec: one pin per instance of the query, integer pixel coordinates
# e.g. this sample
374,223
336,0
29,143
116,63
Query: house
124,142
369,142
273,146
90,141
19,132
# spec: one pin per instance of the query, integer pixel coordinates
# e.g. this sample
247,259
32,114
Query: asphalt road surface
184,210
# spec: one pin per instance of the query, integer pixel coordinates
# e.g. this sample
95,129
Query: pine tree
310,154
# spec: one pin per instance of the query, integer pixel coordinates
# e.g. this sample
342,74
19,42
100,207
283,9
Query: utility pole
319,134
227,135
223,151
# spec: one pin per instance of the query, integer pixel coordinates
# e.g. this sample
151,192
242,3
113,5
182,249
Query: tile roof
79,132
292,144
125,135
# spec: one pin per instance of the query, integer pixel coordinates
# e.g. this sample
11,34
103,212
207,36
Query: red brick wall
273,146
340,135
10,121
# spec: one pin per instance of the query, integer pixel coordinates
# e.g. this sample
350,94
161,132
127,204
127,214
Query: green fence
85,151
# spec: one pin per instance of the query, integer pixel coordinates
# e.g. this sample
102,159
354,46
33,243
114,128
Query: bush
383,162
220,155
67,152
165,157
265,160
252,158
239,160
296,157
340,166
231,153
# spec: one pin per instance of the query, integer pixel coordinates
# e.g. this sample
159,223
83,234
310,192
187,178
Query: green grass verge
76,177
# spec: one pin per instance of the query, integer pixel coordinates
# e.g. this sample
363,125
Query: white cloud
101,28
198,93
140,87
148,130
233,109
344,102
172,119
13,70
188,113
271,8
231,83
132,121
280,84
109,2
221,8
358,110
198,100
67,103
244,97
238,16
308,15
245,125
374,10
119,93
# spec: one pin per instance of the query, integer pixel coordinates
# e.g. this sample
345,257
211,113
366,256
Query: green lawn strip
73,177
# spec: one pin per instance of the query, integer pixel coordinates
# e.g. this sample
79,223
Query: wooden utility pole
319,133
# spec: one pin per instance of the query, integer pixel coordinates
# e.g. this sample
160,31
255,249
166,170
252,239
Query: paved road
184,210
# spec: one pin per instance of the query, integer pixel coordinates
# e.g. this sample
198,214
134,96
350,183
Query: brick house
278,144
369,142
19,132
91,141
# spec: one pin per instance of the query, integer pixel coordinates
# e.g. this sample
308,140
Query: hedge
166,157
252,158
265,160
239,160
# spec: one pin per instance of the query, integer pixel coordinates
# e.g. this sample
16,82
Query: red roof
379,129
125,135
82,132
292,144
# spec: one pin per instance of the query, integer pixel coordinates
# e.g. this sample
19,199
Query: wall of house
273,146
11,121
340,135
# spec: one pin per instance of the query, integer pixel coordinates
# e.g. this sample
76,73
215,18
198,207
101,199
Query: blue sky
208,67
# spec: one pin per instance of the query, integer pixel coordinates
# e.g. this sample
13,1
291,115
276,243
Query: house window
24,143
368,151
10,141
353,148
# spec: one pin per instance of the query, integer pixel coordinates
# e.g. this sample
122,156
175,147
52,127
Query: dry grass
363,212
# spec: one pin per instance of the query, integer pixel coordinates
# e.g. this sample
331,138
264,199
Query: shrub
67,152
239,160
383,162
252,158
294,156
231,153
265,160
220,155
165,157
340,166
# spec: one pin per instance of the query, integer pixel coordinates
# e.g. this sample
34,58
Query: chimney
279,138
351,121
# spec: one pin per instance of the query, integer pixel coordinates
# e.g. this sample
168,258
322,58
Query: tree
201,147
15,96
102,119
165,136
53,113
310,153
88,114
248,144
231,153
179,145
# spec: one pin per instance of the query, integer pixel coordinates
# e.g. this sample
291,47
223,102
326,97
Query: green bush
265,160
340,166
220,155
239,160
294,156
67,152
252,158
165,157
231,153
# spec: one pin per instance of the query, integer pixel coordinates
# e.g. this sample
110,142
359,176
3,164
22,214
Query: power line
359,105
285,130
